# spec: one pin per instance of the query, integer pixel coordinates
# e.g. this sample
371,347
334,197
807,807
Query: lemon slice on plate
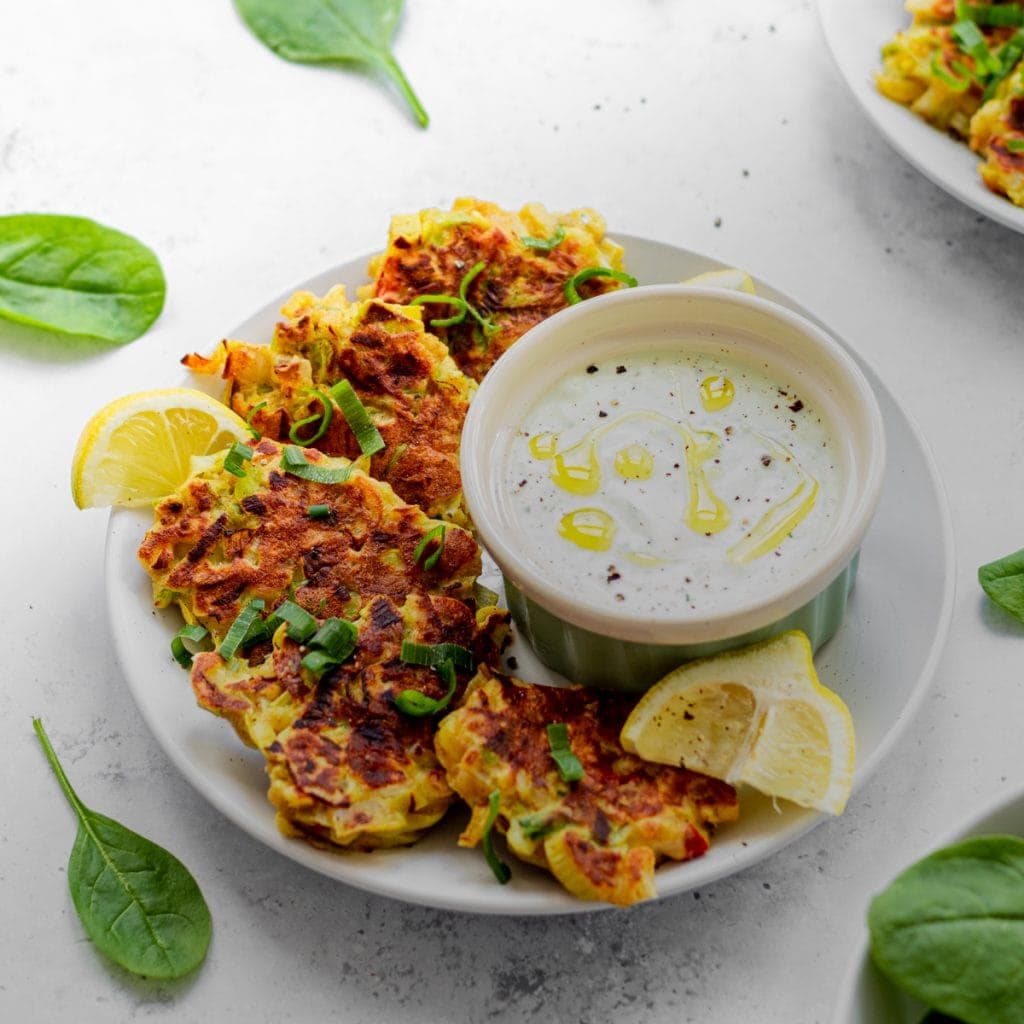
139,448
730,277
757,715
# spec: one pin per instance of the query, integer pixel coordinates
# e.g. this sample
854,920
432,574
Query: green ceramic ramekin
599,646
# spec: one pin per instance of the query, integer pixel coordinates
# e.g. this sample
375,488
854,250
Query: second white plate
855,33
881,662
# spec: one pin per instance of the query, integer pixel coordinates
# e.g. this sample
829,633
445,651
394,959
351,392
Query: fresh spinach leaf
333,31
1003,581
138,903
949,930
72,275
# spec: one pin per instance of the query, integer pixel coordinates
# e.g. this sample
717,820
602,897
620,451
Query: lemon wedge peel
727,277
139,448
758,716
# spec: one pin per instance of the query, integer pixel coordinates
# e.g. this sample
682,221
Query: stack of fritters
348,765
930,69
345,766
601,836
527,258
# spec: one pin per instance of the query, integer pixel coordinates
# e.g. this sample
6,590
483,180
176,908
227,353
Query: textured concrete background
722,127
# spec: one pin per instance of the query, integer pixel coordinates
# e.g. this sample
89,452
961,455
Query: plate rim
911,137
557,902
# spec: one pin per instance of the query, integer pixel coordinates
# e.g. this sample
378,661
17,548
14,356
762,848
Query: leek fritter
346,767
960,69
223,540
600,836
413,392
487,275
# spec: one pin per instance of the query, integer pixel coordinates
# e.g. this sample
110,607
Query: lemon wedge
757,715
729,277
139,448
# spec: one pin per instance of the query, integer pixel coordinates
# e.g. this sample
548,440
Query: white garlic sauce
674,482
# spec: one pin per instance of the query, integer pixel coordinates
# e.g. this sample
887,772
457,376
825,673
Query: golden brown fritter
601,836
997,134
346,766
435,252
223,540
413,392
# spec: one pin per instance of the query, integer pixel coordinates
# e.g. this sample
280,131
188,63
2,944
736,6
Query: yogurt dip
668,482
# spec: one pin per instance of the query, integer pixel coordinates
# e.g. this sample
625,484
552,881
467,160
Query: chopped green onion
961,84
571,287
367,435
419,705
544,244
435,533
461,304
194,634
322,418
569,766
433,655
501,870
536,826
990,15
295,462
239,631
969,38
318,511
1015,145
337,637
449,300
301,625
1009,57
238,454
256,435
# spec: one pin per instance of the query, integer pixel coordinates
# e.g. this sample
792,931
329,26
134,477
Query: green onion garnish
1009,57
301,625
322,419
501,870
248,420
419,705
436,533
239,631
991,15
194,634
957,84
571,287
544,244
483,596
318,511
238,454
367,435
969,38
569,766
461,304
1015,145
337,637
433,655
294,461
536,826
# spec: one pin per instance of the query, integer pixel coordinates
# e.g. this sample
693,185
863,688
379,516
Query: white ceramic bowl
584,639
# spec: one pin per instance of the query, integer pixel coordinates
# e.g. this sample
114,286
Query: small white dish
855,34
866,996
579,630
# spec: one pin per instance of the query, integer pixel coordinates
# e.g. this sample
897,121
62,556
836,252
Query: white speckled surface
720,127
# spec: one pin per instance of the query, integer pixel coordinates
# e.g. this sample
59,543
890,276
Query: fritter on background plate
487,275
346,766
601,836
412,391
223,540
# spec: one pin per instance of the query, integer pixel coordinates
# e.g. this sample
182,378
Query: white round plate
866,996
880,662
855,31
